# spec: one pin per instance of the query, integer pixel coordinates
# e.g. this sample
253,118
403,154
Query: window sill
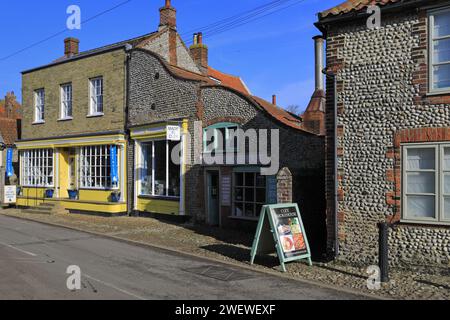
38,122
100,189
95,115
421,223
167,198
255,219
438,93
65,119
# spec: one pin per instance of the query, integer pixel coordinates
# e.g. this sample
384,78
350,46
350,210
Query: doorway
212,197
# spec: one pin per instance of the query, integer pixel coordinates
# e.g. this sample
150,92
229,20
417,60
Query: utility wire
64,31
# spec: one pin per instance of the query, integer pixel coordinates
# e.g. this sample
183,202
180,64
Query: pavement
35,258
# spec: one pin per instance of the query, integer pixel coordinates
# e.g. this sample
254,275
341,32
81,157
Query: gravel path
234,246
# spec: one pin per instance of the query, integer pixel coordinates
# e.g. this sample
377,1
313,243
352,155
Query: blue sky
273,55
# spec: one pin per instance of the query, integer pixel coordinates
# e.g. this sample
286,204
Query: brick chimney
10,102
199,52
71,46
168,16
274,99
314,116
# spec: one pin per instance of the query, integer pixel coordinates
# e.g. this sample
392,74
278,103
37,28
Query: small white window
440,50
96,97
39,105
426,183
66,101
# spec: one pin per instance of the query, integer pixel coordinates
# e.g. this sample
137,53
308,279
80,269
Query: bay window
95,167
159,174
439,50
426,187
37,168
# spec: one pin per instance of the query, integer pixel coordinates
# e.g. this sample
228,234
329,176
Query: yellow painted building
75,172
159,185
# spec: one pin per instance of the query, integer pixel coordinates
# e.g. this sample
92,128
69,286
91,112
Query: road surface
34,259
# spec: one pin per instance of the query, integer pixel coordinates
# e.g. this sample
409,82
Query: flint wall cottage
393,130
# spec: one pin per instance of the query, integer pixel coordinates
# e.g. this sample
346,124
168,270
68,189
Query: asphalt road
34,259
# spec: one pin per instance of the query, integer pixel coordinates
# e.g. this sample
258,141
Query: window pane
260,180
446,160
249,210
239,179
249,179
421,207
239,194
174,172
261,195
441,76
249,195
420,159
442,24
447,208
441,51
239,209
146,170
447,184
160,168
420,182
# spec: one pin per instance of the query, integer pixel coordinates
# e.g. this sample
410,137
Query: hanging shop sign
113,163
173,133
9,163
281,230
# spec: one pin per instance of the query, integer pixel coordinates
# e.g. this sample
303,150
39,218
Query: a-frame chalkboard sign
280,229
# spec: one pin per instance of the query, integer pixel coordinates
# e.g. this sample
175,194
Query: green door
213,197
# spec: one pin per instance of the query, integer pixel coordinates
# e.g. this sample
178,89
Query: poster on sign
280,230
10,194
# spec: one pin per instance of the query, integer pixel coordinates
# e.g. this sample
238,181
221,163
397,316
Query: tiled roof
353,5
8,130
228,80
280,114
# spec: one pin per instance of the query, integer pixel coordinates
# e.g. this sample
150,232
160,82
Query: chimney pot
274,99
319,53
71,46
199,52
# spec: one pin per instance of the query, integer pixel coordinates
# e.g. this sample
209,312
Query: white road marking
113,286
18,249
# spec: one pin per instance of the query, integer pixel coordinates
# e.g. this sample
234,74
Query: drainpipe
336,183
128,48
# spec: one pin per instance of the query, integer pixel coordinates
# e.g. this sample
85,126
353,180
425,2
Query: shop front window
249,194
95,167
159,175
37,168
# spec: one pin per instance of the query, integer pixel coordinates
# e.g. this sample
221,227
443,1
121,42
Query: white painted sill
95,115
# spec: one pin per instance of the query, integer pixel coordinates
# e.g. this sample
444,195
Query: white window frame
39,106
431,40
439,183
66,101
244,187
92,158
36,170
167,180
94,97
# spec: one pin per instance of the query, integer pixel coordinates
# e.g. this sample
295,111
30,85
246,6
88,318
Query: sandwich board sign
10,194
280,229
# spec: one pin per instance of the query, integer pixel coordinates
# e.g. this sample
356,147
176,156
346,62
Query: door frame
206,195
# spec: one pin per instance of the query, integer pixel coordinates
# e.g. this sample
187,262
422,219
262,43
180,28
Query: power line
64,31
